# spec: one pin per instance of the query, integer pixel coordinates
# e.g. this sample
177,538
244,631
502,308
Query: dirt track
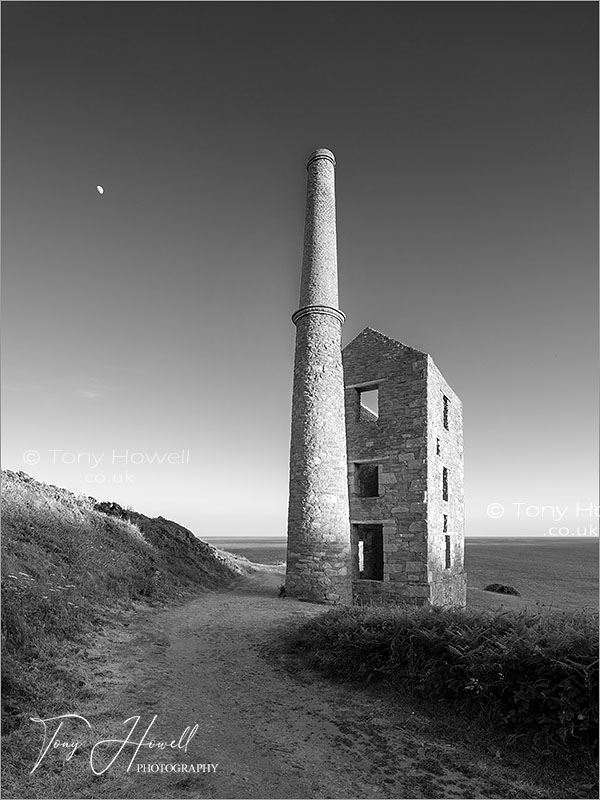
273,733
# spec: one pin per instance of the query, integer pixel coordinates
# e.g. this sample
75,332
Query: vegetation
548,572
502,588
534,676
67,563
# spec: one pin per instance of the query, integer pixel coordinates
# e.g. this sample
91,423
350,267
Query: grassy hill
68,563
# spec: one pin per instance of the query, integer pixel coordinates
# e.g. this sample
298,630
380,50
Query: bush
501,588
534,676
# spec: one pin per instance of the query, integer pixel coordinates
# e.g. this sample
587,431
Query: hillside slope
67,563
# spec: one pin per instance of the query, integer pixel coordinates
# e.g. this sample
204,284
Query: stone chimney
318,545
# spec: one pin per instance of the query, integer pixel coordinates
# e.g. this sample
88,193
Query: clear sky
155,318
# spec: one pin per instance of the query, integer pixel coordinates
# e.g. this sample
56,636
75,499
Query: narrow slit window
447,560
444,483
445,523
446,411
438,447
367,480
368,404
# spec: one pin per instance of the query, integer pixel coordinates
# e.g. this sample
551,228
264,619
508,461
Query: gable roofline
371,332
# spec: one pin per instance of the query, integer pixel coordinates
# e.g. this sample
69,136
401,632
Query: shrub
501,588
534,676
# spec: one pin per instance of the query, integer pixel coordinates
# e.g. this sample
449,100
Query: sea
547,571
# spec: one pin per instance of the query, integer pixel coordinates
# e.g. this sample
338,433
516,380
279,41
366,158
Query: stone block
420,591
406,458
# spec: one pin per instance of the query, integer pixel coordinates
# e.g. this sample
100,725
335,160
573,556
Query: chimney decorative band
328,310
325,154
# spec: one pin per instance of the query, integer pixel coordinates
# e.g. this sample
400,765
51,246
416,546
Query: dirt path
272,733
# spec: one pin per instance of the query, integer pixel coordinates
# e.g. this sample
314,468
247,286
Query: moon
100,189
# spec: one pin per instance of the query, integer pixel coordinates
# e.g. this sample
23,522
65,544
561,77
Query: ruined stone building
405,475
375,508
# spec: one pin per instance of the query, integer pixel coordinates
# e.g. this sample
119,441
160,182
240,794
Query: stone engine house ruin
405,475
376,507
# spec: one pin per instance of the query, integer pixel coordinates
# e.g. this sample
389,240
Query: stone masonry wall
448,586
397,442
411,446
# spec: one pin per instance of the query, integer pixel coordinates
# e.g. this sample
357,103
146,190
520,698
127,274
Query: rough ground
273,732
